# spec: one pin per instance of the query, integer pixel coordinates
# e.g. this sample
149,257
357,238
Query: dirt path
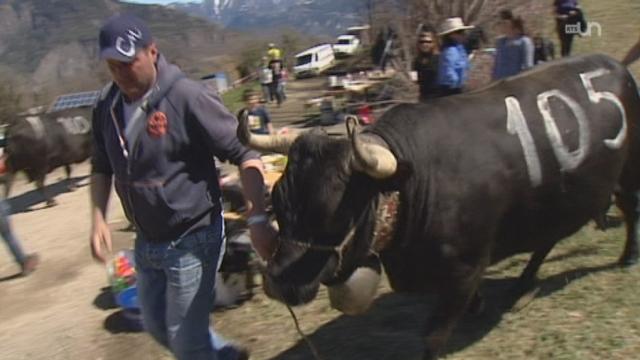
298,92
293,113
58,312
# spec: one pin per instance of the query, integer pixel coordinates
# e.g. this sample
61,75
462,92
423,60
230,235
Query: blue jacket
168,185
564,6
454,67
512,56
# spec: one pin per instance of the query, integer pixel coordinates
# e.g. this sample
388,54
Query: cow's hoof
51,203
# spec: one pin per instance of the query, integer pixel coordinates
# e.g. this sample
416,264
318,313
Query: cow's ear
396,181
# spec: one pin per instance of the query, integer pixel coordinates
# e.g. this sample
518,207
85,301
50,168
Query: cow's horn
373,159
268,143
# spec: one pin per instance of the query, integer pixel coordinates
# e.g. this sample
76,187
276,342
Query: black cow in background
38,144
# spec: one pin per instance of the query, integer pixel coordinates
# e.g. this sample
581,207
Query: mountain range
49,47
324,17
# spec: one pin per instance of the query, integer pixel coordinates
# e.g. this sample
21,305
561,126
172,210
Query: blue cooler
127,299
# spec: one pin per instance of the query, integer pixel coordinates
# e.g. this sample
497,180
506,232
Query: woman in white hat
454,61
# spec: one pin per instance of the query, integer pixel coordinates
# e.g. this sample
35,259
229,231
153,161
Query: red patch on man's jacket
157,124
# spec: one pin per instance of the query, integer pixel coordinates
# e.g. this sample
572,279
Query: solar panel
71,101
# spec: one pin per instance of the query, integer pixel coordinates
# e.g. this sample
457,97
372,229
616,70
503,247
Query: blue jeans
266,92
176,290
7,234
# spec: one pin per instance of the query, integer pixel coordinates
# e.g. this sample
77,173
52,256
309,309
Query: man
570,21
27,263
426,62
156,134
632,55
265,75
543,50
275,90
274,53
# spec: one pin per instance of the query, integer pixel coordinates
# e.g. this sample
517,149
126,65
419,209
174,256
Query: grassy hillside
620,23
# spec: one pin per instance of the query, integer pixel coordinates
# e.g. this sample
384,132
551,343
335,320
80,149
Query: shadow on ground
392,328
118,323
25,201
17,275
105,300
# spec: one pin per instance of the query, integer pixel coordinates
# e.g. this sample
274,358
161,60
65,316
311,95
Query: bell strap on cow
386,218
136,123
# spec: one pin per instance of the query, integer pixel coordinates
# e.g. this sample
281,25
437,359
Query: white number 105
568,160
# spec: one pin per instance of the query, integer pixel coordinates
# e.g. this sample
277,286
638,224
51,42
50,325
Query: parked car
314,61
346,45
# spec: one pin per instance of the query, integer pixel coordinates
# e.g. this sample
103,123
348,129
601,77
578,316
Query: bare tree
9,103
435,11
369,9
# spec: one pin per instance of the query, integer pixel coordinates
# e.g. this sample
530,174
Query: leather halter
386,219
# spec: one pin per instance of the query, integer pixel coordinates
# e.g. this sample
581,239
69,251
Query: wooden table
270,179
360,87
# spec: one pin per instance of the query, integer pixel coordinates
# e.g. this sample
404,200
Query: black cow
512,168
38,144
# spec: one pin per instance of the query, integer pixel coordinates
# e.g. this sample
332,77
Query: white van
346,45
314,61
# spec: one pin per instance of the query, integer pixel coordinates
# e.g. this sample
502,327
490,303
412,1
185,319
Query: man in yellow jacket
274,53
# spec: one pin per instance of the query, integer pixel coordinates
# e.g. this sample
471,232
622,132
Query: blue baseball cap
122,36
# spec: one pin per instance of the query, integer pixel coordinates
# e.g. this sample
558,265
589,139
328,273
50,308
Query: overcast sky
161,1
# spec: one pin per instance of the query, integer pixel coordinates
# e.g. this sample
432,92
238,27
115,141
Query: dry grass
586,308
620,24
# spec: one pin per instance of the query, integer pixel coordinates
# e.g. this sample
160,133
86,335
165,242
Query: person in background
632,55
475,39
453,68
569,22
426,63
265,76
274,53
259,119
156,133
27,263
276,85
284,78
514,50
543,50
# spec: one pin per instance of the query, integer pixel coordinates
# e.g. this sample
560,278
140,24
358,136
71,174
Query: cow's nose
284,257
287,293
